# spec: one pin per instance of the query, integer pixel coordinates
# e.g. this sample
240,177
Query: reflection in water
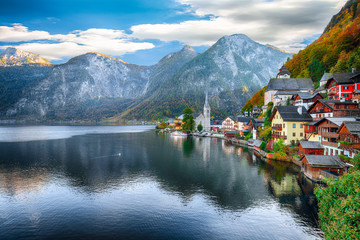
144,185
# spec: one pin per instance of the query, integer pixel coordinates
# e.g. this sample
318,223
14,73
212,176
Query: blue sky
143,31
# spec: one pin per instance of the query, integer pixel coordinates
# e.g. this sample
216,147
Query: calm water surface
129,183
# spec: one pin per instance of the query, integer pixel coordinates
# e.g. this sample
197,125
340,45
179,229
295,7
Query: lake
127,182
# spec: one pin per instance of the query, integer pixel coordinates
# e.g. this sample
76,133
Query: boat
178,134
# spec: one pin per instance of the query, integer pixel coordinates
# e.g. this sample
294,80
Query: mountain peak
187,48
16,57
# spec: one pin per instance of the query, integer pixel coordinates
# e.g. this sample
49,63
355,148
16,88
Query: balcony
276,128
278,136
329,134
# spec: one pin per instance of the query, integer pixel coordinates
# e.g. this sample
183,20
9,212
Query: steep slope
17,57
233,69
337,49
72,88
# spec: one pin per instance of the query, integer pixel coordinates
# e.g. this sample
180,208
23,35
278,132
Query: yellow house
178,124
287,122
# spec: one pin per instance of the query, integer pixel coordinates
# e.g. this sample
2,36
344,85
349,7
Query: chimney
353,70
299,109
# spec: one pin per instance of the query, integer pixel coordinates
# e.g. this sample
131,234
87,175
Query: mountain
17,57
336,50
94,86
233,69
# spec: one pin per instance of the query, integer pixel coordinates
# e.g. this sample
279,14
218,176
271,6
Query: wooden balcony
276,128
278,136
329,134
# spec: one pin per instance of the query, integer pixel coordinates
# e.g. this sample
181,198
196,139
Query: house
310,148
283,72
281,97
349,138
306,99
311,133
230,134
342,85
333,108
228,124
288,85
178,123
287,122
256,110
327,129
242,123
215,124
324,79
257,145
255,125
313,165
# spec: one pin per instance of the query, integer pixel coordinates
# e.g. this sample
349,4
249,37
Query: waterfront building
289,86
228,124
316,166
327,129
311,133
257,144
306,99
255,125
310,148
203,118
333,108
287,122
349,138
342,85
242,123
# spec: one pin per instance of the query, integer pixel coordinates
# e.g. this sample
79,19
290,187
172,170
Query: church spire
206,98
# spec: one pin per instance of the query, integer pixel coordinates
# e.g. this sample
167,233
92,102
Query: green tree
288,102
339,204
188,120
199,127
316,70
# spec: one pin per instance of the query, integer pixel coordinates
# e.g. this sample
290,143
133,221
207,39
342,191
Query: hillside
256,100
336,50
95,86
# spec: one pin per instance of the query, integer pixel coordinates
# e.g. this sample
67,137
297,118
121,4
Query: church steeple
207,109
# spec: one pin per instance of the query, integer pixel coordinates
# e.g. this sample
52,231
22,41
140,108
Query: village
317,129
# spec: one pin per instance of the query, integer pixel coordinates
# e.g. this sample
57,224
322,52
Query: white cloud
283,23
58,46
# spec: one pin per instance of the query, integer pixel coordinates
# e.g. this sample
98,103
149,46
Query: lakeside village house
324,129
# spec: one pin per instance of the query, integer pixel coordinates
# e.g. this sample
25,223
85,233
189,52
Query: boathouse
310,148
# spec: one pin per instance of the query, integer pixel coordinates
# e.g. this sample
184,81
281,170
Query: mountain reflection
228,175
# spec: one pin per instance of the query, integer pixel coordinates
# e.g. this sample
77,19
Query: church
203,118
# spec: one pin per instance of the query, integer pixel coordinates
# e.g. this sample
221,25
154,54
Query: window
284,125
301,134
294,134
301,126
346,87
294,125
346,95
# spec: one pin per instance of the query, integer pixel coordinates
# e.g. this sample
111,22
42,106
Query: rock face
93,85
17,57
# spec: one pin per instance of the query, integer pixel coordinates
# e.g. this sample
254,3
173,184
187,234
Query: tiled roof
257,143
343,78
353,127
243,119
325,161
311,145
307,95
290,113
195,115
286,93
290,84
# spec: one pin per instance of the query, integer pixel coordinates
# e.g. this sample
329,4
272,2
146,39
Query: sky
144,31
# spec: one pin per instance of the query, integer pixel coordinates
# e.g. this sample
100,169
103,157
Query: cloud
58,46
283,23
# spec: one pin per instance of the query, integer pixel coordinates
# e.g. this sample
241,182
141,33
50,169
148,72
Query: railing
278,136
277,128
329,134
326,174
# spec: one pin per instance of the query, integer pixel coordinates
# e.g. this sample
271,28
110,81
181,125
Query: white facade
228,124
